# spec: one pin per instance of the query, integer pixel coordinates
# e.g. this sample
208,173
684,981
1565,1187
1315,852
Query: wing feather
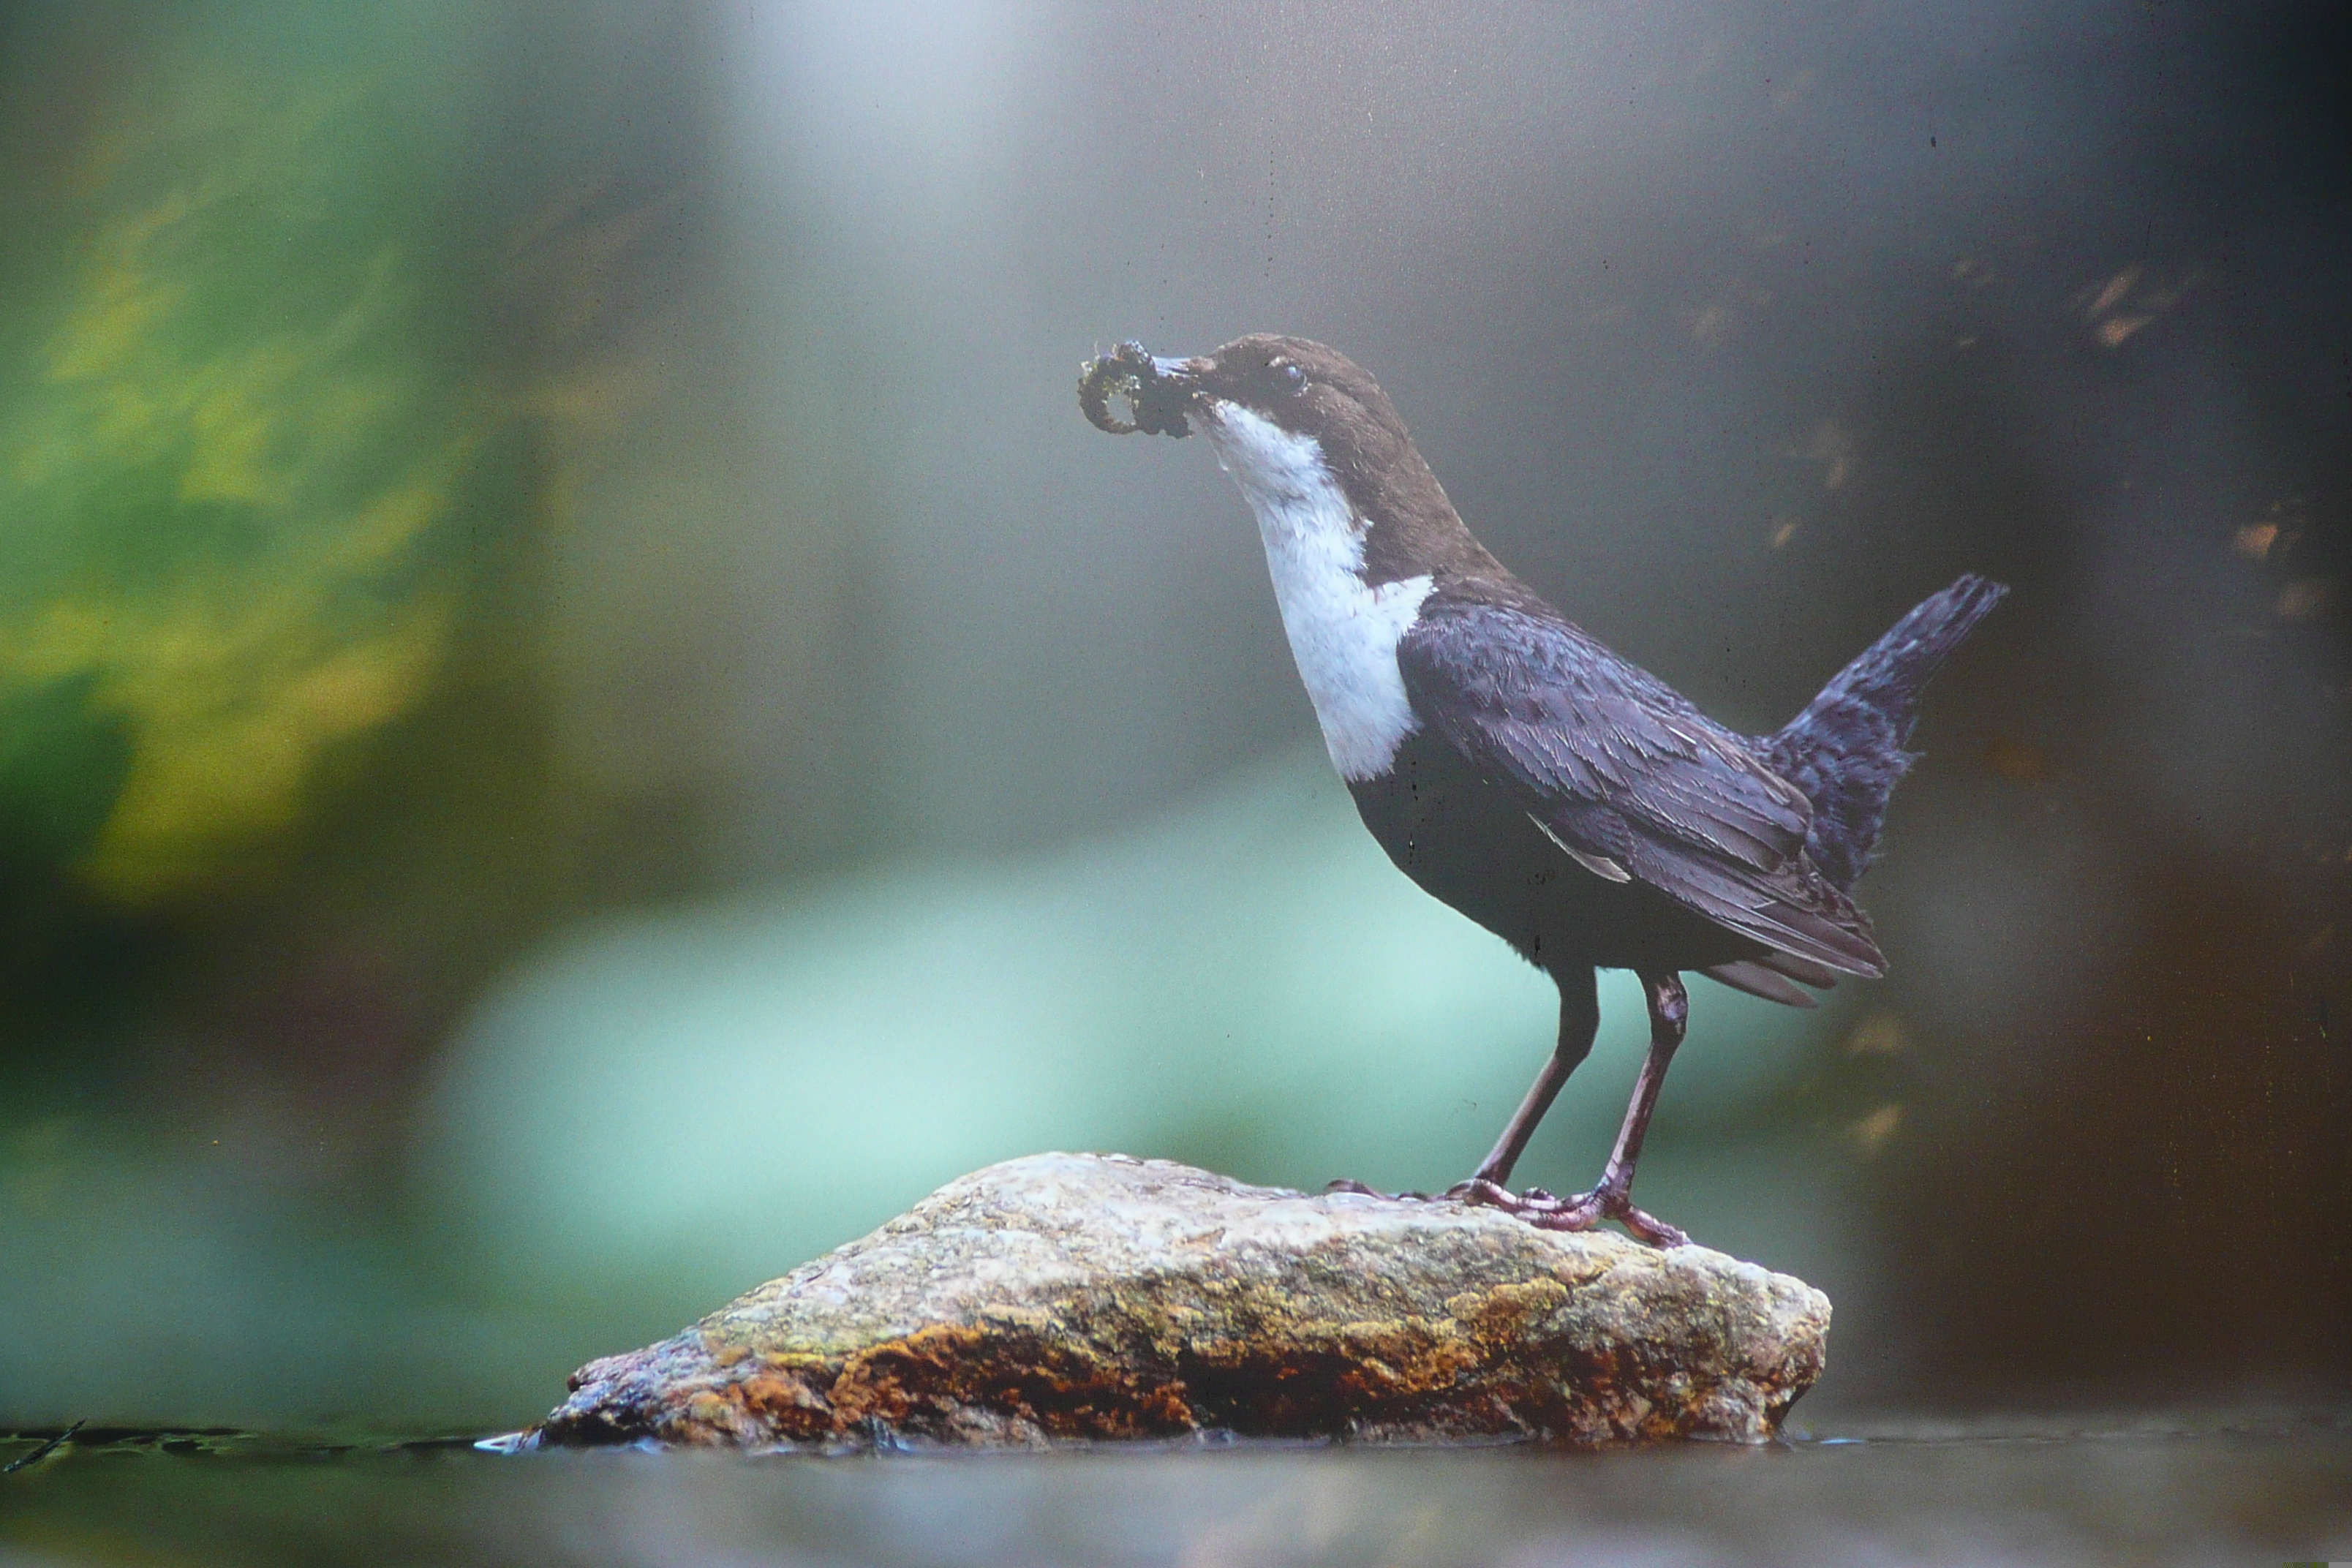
1619,769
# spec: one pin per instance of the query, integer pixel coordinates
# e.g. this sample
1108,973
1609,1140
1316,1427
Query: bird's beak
1158,391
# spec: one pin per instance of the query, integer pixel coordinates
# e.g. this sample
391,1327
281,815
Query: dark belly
1465,842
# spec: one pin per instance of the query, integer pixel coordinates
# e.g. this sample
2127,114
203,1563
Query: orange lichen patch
926,1382
1488,1365
786,1408
1507,1312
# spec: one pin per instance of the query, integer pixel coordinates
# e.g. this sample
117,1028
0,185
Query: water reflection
2141,1492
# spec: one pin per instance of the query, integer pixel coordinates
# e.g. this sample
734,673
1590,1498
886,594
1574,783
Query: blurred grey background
582,719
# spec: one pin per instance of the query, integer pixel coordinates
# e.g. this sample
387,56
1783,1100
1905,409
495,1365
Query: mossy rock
1078,1297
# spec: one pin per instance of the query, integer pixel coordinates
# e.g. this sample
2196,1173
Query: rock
1079,1296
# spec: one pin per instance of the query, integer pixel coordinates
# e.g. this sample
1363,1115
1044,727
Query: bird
1563,797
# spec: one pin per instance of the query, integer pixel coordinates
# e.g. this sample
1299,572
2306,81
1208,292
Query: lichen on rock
1081,1297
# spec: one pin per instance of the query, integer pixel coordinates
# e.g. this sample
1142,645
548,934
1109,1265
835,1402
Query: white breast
1343,632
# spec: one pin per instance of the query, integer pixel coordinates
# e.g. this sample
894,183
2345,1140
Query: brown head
1280,410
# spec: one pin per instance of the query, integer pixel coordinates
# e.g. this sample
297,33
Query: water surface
2018,1492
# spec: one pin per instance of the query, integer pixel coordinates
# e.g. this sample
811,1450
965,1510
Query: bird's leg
1495,1170
1580,1020
1613,1198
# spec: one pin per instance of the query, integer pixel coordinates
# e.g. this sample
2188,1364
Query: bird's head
1314,443
1267,403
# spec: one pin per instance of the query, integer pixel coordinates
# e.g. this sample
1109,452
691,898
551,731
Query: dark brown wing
1615,765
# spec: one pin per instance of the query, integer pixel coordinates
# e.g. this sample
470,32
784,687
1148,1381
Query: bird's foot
1584,1211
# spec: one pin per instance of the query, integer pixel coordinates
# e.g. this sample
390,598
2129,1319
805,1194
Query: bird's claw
1540,1208
1583,1212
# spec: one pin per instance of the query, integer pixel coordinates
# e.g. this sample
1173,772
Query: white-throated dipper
1568,801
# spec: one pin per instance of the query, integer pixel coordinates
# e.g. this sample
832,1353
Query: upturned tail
1846,750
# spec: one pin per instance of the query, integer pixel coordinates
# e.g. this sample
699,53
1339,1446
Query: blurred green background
580,720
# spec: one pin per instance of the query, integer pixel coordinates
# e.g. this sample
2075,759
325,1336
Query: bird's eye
1292,376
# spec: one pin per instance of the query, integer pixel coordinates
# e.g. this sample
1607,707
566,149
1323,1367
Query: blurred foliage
300,359
228,467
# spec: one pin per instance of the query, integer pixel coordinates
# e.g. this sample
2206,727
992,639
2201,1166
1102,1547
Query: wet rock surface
1076,1297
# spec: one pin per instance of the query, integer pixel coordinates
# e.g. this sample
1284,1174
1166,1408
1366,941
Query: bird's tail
1846,750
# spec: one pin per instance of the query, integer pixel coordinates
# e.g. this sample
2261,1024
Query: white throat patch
1343,634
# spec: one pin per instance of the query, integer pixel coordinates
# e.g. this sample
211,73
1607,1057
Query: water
2015,1493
